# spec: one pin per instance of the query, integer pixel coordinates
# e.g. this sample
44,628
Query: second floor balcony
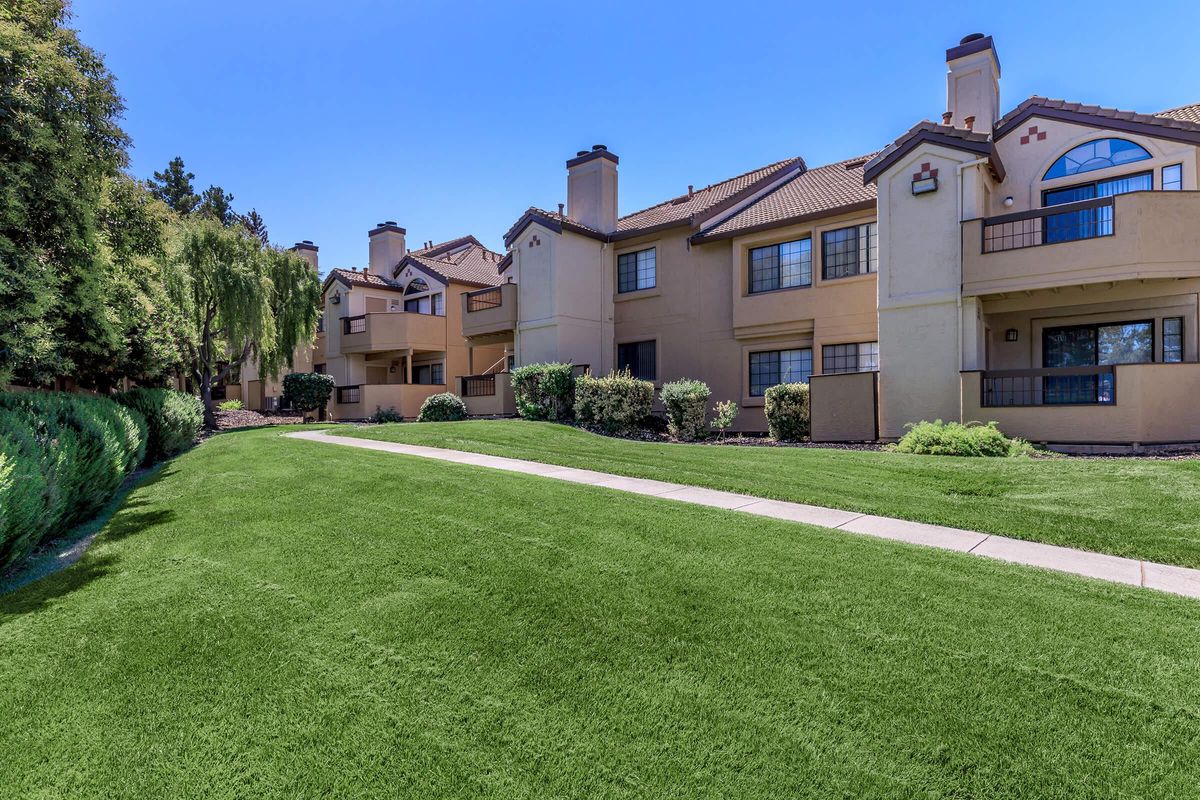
392,330
490,314
1141,235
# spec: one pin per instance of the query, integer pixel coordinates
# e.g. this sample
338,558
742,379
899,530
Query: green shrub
389,414
443,407
616,403
724,413
307,391
172,418
231,405
686,402
544,391
939,438
786,406
62,457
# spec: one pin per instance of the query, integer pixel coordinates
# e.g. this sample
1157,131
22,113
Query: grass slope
1127,507
278,618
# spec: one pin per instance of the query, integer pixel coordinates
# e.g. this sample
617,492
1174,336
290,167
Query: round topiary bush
787,411
307,391
444,407
686,403
616,403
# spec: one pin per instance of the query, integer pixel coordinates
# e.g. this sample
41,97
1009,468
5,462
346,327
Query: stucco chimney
386,248
306,250
973,83
592,189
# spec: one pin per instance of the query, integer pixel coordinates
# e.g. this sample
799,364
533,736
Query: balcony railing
1069,222
354,324
1091,386
348,394
478,385
491,297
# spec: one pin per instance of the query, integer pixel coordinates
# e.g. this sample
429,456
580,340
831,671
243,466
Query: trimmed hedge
686,403
616,403
383,415
786,406
544,391
939,438
307,391
443,407
62,457
173,418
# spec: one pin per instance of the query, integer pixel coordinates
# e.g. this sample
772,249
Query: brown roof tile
1183,113
926,131
352,277
1180,123
701,202
462,260
819,191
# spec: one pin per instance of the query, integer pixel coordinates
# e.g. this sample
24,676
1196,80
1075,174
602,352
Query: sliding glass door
1092,345
1089,222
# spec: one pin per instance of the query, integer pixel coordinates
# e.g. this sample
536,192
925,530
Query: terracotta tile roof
1183,113
352,277
701,202
1184,121
462,260
817,192
926,131
551,219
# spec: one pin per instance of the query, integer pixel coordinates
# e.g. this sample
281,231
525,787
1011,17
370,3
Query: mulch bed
733,440
231,420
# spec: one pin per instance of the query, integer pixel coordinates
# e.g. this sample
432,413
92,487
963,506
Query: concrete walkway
1166,578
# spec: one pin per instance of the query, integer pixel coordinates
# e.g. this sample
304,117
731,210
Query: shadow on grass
40,595
118,520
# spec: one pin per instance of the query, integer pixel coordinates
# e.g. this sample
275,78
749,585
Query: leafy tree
307,391
59,141
257,227
217,204
237,301
174,187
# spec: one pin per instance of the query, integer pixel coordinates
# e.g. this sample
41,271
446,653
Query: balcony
489,316
1122,404
488,395
1141,235
360,402
392,330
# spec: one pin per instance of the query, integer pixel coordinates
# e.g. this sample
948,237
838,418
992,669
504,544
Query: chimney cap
970,45
599,147
579,153
970,37
305,245
387,226
597,151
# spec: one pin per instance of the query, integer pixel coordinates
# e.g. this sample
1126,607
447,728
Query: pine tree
217,204
174,187
254,223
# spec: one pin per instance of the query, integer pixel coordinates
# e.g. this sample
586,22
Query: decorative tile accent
1033,134
535,241
926,173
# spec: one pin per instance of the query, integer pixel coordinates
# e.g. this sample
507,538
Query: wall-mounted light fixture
1010,335
1008,202
924,185
337,297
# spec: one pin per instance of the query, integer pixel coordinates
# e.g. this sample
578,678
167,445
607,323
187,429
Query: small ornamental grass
231,405
443,407
389,414
617,403
786,406
544,391
974,439
686,402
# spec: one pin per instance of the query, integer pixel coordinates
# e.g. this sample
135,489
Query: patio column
408,357
470,360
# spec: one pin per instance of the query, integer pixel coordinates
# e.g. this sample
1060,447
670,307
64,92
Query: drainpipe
958,186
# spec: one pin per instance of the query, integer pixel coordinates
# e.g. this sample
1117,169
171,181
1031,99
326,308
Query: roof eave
706,238
884,161
1162,131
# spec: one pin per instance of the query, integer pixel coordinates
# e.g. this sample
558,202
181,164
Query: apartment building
1040,268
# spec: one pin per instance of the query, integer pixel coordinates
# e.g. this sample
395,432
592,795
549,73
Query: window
773,367
1172,178
437,373
319,369
849,251
857,357
416,286
439,304
1092,345
1100,154
1172,344
1089,222
426,374
640,358
781,266
636,271
417,305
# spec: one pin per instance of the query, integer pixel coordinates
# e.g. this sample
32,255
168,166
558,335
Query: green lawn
1127,507
279,618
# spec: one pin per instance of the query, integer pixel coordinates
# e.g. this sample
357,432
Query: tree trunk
210,417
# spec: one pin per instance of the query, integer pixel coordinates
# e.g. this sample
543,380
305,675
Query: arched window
416,286
1097,154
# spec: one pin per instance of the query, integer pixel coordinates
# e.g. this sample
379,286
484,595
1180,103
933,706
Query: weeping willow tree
240,301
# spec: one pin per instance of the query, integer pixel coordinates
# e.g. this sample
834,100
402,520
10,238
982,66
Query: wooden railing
348,394
354,324
483,299
1044,387
1069,222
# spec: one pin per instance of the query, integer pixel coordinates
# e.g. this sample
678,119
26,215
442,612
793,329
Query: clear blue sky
452,118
